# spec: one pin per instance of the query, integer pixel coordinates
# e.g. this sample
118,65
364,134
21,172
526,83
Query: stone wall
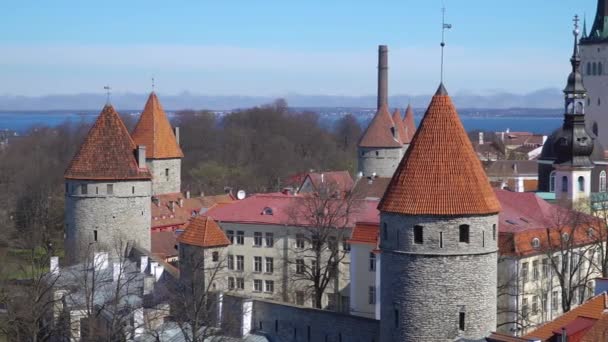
382,161
596,86
161,183
121,216
425,287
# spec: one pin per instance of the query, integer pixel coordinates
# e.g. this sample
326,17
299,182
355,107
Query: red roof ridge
154,131
381,131
440,173
409,125
107,152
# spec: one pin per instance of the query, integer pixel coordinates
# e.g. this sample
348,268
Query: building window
240,237
269,286
594,68
554,299
418,235
95,235
300,241
231,283
396,318
440,239
269,239
603,181
345,245
524,307
300,266
230,262
564,184
83,189
240,263
167,174
257,264
545,268
535,274
581,184
269,265
230,234
524,272
67,188
534,305
543,302
240,283
300,297
133,190
588,68
384,231
464,233
215,256
257,285
332,243
110,189
552,181
371,295
372,262
581,294
257,239
461,321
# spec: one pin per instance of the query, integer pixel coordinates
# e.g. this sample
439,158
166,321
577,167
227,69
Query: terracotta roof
398,120
498,337
365,233
381,131
163,244
341,180
592,309
409,125
440,173
368,187
163,216
204,232
154,131
107,153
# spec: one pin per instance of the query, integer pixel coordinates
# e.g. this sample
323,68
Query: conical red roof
203,231
409,125
440,173
398,120
108,152
154,131
381,131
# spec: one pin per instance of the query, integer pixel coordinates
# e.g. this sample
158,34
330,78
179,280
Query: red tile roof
277,209
164,217
202,231
338,180
381,131
107,153
593,309
440,173
365,233
370,187
163,244
409,125
154,131
398,120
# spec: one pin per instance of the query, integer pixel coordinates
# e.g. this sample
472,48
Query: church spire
599,30
575,91
584,27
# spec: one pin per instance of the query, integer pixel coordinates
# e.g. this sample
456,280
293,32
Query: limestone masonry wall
161,183
382,161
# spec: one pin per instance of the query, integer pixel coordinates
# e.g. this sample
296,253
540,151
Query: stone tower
594,63
380,148
107,191
573,144
438,237
163,154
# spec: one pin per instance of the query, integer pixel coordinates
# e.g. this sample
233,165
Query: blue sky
273,48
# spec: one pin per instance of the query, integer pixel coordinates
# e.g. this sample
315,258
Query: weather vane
444,27
107,89
152,83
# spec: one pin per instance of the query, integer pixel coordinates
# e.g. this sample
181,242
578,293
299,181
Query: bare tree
323,222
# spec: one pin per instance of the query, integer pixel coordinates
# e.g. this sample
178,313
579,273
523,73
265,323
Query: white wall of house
363,280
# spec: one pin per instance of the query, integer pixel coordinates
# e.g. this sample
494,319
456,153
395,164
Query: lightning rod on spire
152,83
444,27
107,89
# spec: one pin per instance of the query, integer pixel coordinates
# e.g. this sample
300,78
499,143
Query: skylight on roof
511,222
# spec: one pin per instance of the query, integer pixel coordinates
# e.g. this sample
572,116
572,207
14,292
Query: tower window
464,233
461,321
418,237
83,189
95,235
494,231
167,173
396,318
552,182
385,230
372,262
377,153
440,239
110,189
564,184
132,189
483,239
67,188
581,184
603,181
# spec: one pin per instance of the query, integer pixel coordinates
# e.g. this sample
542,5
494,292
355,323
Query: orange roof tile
440,173
108,152
203,231
593,308
381,131
409,125
163,216
154,131
365,233
398,120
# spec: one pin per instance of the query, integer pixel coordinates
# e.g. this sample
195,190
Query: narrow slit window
464,233
440,239
95,235
418,235
461,321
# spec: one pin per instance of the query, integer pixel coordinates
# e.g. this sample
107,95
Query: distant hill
545,98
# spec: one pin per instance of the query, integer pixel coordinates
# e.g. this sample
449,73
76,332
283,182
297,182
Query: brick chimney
176,131
382,75
141,156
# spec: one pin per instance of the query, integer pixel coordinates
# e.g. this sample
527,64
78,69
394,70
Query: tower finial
107,89
584,26
152,83
444,27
